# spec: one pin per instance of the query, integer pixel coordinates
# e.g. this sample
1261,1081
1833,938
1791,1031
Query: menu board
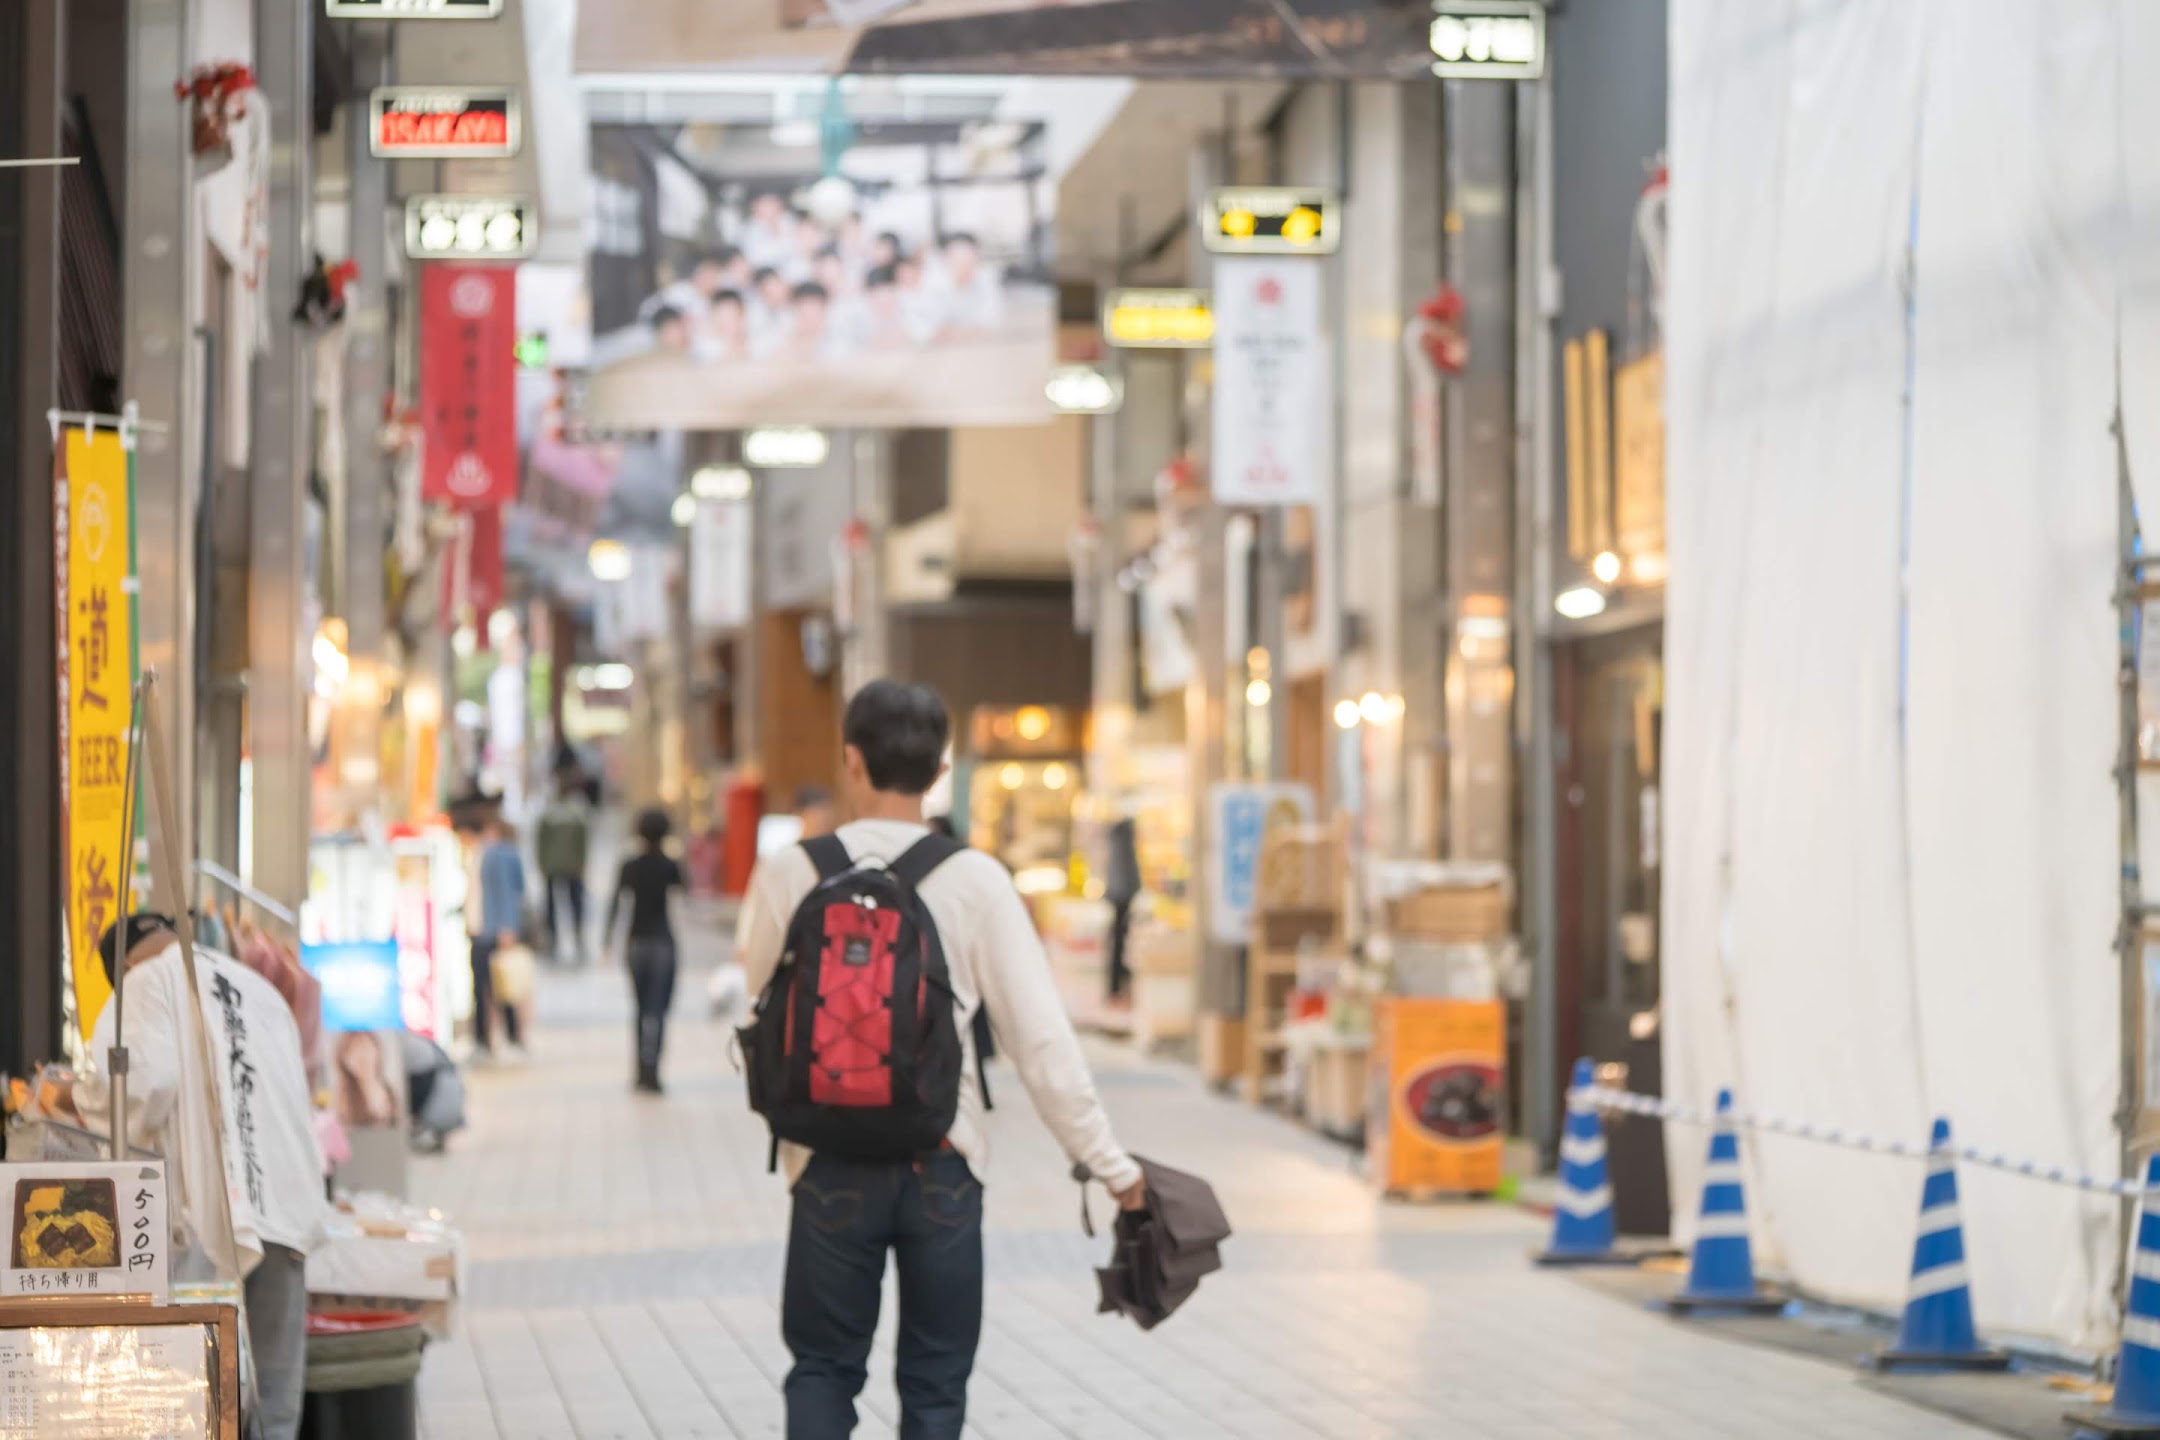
107,1382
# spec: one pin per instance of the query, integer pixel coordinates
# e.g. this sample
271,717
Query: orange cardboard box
1434,1118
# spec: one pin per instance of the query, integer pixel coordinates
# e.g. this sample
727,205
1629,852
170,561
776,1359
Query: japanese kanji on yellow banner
94,512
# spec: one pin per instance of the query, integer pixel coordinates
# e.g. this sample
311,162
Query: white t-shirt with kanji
274,1169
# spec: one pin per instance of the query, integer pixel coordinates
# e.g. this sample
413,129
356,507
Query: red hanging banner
468,384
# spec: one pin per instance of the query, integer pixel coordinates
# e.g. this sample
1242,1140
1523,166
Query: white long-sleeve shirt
996,959
273,1164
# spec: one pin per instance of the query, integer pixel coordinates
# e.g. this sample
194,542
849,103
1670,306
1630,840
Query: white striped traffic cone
1583,1228
2135,1409
1721,1270
1938,1332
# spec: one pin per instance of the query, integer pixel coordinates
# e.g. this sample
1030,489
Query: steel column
32,59
281,448
1480,447
159,265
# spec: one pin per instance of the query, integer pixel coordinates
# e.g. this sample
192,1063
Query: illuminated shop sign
413,9
1158,319
1492,40
1270,220
468,227
429,122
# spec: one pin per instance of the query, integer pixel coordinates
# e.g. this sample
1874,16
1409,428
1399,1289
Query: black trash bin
361,1369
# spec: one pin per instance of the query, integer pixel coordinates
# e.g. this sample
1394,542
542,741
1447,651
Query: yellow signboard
1270,220
95,603
1158,319
1639,455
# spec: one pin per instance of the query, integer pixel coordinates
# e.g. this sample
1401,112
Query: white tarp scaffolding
1907,236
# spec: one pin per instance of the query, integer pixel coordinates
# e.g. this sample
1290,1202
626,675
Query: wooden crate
1450,913
1222,1048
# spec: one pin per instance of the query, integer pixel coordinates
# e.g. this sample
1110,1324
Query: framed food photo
79,1369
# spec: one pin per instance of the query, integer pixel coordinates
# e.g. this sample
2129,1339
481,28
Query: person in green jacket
563,844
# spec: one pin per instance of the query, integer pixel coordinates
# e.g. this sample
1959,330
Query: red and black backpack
854,1048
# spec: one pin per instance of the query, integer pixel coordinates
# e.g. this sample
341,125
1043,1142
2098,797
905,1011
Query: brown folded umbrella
1162,1250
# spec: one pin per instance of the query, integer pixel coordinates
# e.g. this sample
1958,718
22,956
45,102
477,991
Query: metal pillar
1533,629
280,454
868,655
1480,453
32,59
158,265
1205,725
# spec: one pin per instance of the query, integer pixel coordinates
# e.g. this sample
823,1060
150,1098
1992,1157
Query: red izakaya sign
468,381
416,121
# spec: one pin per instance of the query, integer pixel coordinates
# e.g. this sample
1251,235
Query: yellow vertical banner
94,551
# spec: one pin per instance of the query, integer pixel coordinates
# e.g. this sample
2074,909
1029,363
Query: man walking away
649,881
502,916
926,1209
564,844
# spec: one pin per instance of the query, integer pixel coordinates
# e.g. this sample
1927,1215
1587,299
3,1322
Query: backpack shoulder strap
829,854
925,855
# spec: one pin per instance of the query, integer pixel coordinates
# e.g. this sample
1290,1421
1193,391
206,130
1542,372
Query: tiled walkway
626,1255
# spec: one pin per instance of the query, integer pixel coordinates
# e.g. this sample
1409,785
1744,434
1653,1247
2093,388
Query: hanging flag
94,554
468,384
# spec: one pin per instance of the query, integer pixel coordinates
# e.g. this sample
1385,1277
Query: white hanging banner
720,565
1270,432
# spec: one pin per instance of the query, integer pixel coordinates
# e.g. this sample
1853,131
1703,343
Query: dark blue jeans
847,1215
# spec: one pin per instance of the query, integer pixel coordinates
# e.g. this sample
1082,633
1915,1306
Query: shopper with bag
502,920
884,954
649,882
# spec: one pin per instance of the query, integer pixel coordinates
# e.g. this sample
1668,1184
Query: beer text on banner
95,609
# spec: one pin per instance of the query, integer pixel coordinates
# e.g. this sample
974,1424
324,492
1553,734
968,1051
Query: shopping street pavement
625,1255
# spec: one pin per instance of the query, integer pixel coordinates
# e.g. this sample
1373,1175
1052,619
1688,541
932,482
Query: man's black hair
900,730
828,252
140,926
662,315
962,237
727,295
653,827
810,795
723,256
892,238
811,290
763,273
880,277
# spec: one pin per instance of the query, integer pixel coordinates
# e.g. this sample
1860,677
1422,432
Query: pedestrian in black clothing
648,880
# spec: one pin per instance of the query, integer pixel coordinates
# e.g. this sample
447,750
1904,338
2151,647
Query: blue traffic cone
1721,1272
2135,1410
1583,1228
1938,1332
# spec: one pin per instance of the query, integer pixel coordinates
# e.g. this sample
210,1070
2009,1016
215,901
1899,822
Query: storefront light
785,447
1012,777
612,676
1054,777
1647,568
1346,714
608,560
331,665
684,511
1373,708
463,642
720,482
1580,603
1033,722
1606,567
1258,693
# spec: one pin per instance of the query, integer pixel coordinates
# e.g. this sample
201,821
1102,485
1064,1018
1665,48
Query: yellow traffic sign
1270,220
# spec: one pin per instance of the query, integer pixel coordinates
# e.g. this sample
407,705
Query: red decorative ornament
216,96
1438,330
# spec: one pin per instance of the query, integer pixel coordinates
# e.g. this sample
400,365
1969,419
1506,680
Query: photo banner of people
817,272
